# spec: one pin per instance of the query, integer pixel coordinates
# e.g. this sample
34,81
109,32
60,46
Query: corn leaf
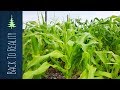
40,70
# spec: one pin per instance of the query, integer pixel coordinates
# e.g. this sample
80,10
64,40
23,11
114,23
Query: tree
11,23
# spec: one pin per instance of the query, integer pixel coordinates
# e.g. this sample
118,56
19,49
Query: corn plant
89,50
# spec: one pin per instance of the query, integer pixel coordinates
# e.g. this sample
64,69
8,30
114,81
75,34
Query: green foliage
89,50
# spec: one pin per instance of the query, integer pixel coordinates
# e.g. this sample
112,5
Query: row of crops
87,50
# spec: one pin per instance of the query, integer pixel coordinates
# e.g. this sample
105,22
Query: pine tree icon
11,23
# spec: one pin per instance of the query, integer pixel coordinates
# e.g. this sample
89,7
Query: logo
11,24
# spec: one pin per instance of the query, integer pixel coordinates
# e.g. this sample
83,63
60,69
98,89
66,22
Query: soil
52,73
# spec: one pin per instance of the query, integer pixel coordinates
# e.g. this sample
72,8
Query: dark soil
53,74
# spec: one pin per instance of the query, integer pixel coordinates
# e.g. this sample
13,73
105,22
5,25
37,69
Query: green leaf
59,68
70,43
28,75
34,42
37,59
113,16
84,75
102,73
89,72
117,77
92,71
56,54
86,36
98,77
102,56
85,59
40,70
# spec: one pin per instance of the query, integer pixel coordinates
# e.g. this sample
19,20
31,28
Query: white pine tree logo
11,23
